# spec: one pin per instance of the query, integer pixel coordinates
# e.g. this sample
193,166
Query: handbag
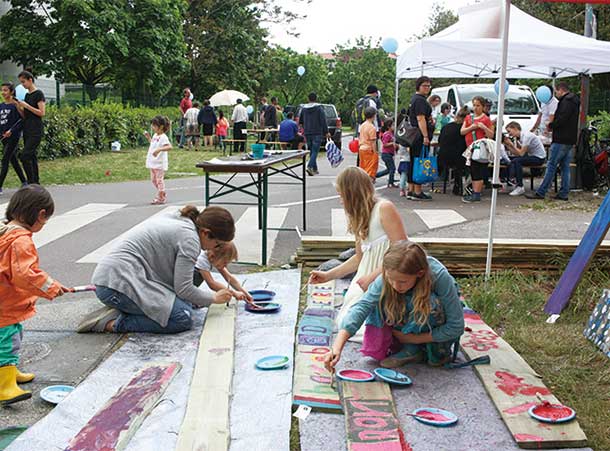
407,135
480,154
425,167
333,153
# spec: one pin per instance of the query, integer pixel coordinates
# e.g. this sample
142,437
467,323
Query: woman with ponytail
146,281
412,309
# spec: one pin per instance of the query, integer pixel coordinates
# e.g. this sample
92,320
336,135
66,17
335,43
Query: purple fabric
378,342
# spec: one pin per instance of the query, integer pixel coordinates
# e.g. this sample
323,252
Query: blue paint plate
273,362
392,376
562,413
435,417
262,295
55,393
264,307
353,375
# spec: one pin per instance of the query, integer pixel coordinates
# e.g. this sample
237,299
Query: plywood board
512,386
370,417
206,421
598,327
113,425
580,260
314,333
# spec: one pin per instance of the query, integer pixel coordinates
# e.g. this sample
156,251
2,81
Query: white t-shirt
161,160
547,110
202,262
191,116
240,113
535,148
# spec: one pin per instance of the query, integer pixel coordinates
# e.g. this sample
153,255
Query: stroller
600,154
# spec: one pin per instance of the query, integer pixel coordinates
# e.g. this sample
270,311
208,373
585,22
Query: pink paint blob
520,408
528,438
553,412
513,385
432,416
355,374
473,318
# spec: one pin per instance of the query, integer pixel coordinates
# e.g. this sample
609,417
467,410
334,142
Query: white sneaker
518,191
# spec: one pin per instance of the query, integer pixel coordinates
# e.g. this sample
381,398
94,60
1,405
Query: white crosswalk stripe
248,239
339,222
435,218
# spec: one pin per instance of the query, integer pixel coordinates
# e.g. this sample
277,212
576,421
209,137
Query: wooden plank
370,417
598,327
512,386
314,333
113,425
206,421
580,260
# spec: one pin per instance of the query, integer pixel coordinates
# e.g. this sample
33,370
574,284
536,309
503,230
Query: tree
440,18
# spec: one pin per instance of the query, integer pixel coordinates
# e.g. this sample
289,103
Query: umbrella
227,97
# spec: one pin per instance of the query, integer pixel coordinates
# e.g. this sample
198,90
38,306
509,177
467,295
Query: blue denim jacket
446,322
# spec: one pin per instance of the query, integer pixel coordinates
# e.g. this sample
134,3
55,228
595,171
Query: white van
520,105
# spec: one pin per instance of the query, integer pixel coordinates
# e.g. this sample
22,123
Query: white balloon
300,71
20,92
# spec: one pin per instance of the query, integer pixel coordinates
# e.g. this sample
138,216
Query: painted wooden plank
512,386
580,260
598,327
314,333
435,218
206,421
113,425
370,417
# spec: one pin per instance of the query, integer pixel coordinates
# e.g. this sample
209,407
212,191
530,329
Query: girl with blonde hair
375,223
415,302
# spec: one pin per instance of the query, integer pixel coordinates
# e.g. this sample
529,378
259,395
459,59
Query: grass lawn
109,167
571,367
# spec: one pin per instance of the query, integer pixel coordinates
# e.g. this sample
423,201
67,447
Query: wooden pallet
206,421
512,386
371,421
113,425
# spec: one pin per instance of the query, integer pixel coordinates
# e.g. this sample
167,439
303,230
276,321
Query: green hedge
603,127
75,131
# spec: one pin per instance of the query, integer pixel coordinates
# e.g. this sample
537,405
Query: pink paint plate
352,375
435,417
552,413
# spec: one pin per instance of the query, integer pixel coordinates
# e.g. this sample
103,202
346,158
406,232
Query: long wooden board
592,239
206,421
512,386
370,417
113,425
312,382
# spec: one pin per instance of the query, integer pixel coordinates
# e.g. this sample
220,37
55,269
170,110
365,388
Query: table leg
304,194
265,194
207,189
260,193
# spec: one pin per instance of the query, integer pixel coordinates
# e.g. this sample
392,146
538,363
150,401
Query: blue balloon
250,109
390,45
544,94
20,92
300,71
497,86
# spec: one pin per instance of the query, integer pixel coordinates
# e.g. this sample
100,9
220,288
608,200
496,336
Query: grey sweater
153,264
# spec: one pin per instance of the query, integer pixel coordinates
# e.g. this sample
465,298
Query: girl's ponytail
191,212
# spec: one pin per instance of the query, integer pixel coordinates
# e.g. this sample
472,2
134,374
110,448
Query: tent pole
496,171
396,85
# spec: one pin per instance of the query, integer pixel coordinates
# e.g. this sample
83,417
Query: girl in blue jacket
11,124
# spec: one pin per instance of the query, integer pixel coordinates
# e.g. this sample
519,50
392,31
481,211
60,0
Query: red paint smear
319,400
553,411
356,374
403,442
103,431
512,385
394,445
473,318
467,329
528,438
432,416
520,408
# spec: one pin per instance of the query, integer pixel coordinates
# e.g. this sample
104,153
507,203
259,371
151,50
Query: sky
331,22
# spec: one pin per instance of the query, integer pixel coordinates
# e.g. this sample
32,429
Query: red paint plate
355,375
435,417
552,413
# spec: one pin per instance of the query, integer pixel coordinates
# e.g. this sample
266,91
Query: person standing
33,109
452,145
11,124
388,151
156,159
192,126
371,99
185,105
270,120
315,127
240,121
222,127
565,133
207,118
420,115
368,155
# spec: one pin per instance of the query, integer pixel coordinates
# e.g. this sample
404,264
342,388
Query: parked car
520,105
332,120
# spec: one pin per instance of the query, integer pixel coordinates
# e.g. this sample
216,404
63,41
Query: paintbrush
228,288
543,401
332,373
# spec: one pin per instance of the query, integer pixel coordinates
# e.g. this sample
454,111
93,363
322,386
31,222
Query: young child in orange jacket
22,282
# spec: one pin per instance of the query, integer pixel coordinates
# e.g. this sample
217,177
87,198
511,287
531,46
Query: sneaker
310,172
470,199
403,193
391,185
97,320
316,172
518,191
422,196
557,197
410,195
535,195
401,358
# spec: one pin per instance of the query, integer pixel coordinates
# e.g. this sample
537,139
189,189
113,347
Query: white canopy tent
495,39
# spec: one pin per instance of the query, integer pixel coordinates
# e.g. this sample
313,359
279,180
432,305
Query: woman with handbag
477,126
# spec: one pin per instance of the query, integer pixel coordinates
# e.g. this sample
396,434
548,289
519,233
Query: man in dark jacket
565,133
315,127
207,118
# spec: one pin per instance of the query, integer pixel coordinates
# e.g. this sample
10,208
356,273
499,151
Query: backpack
361,105
585,161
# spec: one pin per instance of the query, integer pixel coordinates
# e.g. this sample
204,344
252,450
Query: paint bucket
258,151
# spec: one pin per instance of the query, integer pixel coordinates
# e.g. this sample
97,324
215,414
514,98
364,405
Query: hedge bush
74,131
603,127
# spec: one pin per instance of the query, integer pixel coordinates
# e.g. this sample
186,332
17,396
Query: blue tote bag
425,167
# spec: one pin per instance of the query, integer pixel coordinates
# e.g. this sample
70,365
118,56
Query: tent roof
472,48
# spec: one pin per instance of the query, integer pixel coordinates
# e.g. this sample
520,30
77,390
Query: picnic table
276,163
